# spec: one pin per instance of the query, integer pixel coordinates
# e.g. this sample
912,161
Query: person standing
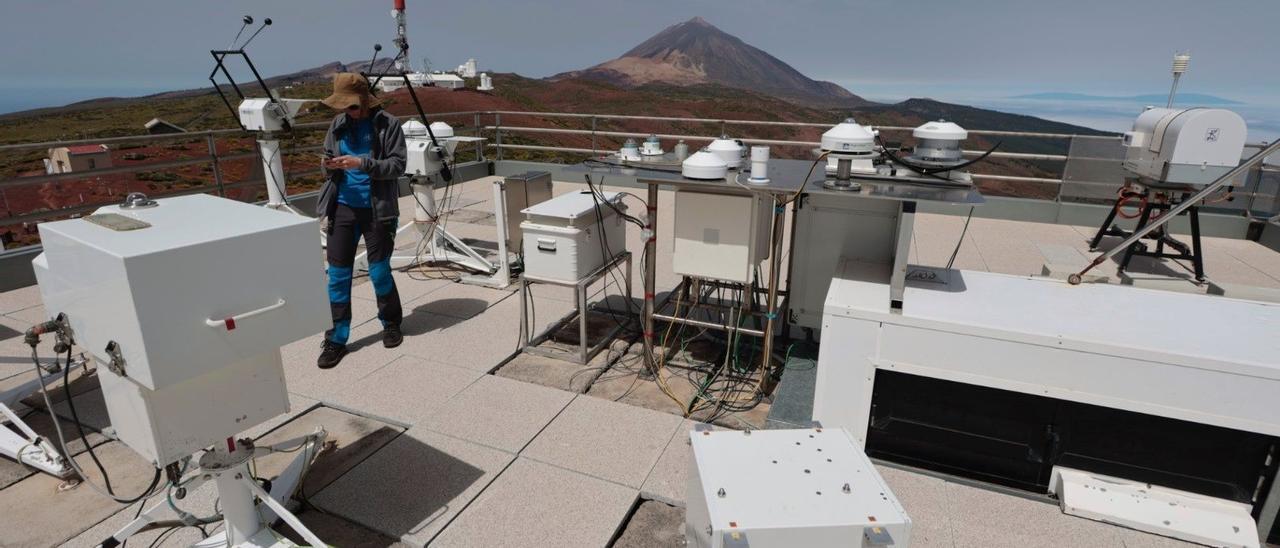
364,156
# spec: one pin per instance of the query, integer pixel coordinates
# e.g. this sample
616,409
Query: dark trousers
345,229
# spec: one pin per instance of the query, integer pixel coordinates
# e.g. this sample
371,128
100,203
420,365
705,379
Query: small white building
486,83
392,83
467,69
447,80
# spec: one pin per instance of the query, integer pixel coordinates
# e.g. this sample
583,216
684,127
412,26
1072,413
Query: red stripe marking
231,445
231,323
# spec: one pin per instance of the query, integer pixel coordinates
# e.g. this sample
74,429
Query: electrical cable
805,182
933,171
44,390
955,252
602,163
84,439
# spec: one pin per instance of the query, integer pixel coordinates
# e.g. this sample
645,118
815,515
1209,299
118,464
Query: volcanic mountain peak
696,52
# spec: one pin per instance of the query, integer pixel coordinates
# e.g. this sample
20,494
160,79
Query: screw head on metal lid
137,200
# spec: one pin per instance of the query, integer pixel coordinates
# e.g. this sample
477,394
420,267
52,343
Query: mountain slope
696,52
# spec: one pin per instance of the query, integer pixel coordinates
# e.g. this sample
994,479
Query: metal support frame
771,311
26,446
219,57
443,247
29,448
586,351
650,237
775,312
901,254
247,508
1205,192
273,173
1160,236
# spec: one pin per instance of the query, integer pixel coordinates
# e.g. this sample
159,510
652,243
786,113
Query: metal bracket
877,536
117,363
735,539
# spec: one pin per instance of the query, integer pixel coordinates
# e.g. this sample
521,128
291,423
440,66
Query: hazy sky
59,51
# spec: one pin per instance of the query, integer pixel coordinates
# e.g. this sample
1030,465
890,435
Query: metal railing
215,179
1097,156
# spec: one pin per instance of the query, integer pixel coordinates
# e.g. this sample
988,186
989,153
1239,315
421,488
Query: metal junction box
569,236
196,295
786,488
721,236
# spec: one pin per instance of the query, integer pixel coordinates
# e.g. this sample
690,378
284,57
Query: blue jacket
384,165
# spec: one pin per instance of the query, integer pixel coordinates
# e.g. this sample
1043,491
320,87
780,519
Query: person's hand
343,162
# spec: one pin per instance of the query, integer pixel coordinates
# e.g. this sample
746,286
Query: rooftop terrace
456,439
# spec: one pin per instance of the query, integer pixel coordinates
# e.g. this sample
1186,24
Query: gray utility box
571,235
523,191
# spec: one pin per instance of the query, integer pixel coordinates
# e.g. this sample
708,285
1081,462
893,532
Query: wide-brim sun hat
349,89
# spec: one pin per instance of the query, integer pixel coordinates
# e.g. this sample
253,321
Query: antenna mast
401,41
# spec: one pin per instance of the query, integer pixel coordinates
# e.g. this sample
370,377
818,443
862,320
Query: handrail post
593,135
479,144
1071,146
217,166
497,134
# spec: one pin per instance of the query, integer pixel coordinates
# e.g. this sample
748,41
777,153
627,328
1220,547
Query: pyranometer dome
849,137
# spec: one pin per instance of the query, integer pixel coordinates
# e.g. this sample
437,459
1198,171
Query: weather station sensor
263,116
430,149
651,147
729,150
1192,146
704,165
851,150
183,305
630,151
1177,157
759,166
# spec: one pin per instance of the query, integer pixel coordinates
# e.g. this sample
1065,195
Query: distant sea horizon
17,99
1104,113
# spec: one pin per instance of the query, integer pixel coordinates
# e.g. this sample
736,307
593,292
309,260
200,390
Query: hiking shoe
331,354
391,336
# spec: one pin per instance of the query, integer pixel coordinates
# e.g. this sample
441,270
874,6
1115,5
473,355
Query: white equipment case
197,294
721,236
563,241
810,487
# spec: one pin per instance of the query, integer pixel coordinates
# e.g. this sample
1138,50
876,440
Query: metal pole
710,325
479,144
650,272
1071,145
1205,192
775,262
593,136
217,167
497,134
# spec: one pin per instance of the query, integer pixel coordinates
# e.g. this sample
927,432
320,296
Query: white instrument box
564,240
185,304
810,487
